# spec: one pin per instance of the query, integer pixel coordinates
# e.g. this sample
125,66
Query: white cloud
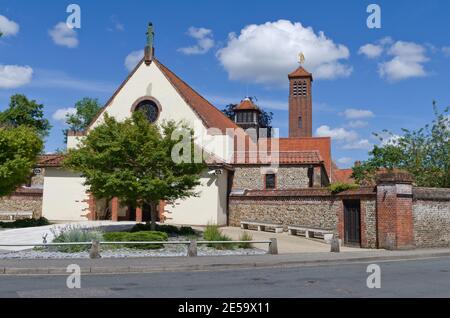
13,76
64,36
336,133
345,160
133,59
205,41
117,26
62,113
357,124
57,79
446,50
266,53
8,27
362,144
371,51
389,139
407,62
352,113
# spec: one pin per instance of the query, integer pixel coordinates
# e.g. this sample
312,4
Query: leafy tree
19,148
22,111
424,152
86,110
131,160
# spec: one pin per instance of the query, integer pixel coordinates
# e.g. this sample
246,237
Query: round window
150,109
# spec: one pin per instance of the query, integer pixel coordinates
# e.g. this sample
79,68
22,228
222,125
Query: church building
297,162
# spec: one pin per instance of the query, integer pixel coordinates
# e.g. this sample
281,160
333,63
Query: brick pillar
115,209
394,211
138,214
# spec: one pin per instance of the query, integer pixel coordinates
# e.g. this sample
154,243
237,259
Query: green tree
424,152
19,148
86,110
22,111
131,160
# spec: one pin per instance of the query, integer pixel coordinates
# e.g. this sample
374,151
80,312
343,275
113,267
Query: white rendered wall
64,196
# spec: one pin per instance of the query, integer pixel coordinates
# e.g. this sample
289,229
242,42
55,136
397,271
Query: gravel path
127,253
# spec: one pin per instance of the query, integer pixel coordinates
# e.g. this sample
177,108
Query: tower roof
246,104
300,72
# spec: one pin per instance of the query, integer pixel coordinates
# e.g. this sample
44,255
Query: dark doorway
352,222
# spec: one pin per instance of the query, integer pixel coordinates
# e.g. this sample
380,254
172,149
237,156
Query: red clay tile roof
209,114
283,157
320,144
343,175
246,104
300,72
50,160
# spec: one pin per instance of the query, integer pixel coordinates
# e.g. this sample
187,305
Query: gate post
394,210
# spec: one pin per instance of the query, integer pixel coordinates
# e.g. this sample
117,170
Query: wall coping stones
394,176
422,193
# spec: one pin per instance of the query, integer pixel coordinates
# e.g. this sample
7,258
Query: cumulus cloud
64,36
8,27
345,160
407,62
133,59
371,51
205,41
352,113
13,76
446,51
62,113
361,144
266,53
357,124
336,133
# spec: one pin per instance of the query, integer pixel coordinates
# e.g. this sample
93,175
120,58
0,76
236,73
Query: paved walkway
202,263
287,244
35,234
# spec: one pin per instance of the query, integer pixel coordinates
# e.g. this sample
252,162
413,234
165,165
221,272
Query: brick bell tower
300,102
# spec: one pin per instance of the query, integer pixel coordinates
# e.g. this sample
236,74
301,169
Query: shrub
169,229
245,237
142,236
25,223
70,234
340,187
213,233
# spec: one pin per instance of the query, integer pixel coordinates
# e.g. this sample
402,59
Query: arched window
150,109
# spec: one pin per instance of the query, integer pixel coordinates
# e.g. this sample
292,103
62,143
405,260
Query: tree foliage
22,111
19,148
131,160
425,153
86,110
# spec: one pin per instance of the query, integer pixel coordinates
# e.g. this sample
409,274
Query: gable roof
208,113
300,72
50,160
246,104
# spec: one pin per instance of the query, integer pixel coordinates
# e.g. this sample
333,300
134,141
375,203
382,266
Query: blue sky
365,79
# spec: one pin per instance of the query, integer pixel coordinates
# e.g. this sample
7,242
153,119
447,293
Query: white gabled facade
65,196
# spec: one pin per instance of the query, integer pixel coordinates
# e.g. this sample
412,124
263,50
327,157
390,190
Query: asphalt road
415,278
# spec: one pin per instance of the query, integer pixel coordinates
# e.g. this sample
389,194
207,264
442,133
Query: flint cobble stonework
317,213
370,222
21,203
431,223
292,177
